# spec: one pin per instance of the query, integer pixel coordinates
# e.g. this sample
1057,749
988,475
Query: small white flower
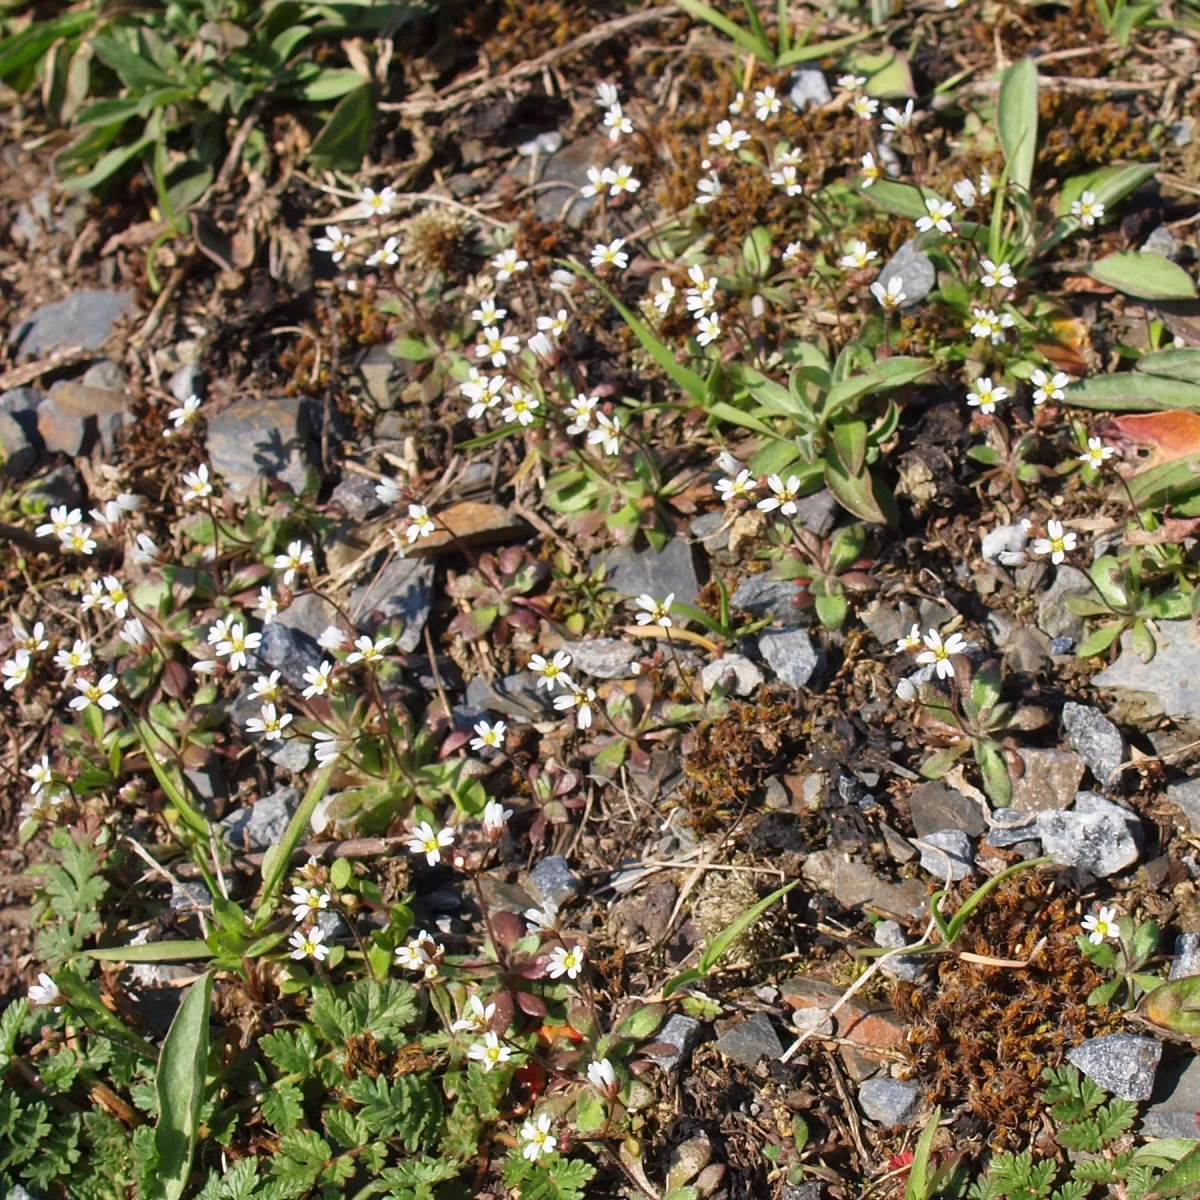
906,691
507,265
41,775
787,157
664,296
268,605
555,325
270,723
80,655
1056,544
307,902
45,992
491,343
601,1075
61,519
863,107
655,612
386,254
331,638
566,961
368,650
939,652
387,492
911,640
616,122
737,104
537,1138
521,408
319,680
986,396
377,204
709,185
1047,388
133,633
852,83
184,415
78,540
606,94
298,555
964,189
196,484
335,243
489,736
484,394
728,138
783,495
786,179
857,257
741,487
542,919
985,183
430,842
890,297
791,253
708,329
237,646
309,943
145,551
490,1052
477,1017
495,817
987,324
997,276
1101,925
766,104
487,313
606,433
580,699
939,214
33,642
610,254
581,410
870,170
897,120
327,747
552,670
1088,209
1096,454
621,180
95,693
92,596
267,688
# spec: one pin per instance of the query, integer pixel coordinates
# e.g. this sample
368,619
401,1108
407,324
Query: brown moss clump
987,1033
1081,132
725,760
438,239
721,899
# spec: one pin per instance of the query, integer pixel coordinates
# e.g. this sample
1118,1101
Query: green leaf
1182,1180
32,42
777,455
938,764
1099,640
86,1003
641,1023
137,71
850,443
179,1083
1017,120
189,814
903,199
1109,185
756,252
1132,391
799,54
283,1107
1172,364
1147,276
832,609
412,349
278,857
996,780
684,377
760,48
176,951
343,142
861,494
331,83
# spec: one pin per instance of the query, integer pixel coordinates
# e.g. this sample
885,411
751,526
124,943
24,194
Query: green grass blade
1017,120
732,30
191,816
277,858
799,54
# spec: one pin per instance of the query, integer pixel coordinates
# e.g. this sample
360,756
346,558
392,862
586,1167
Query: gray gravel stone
809,86
1175,1103
514,695
750,1041
889,1102
747,676
790,654
916,271
935,806
60,485
1005,545
18,444
1097,835
61,432
681,1032
1186,794
634,572
855,885
356,497
187,897
818,511
1170,682
604,658
568,169
552,881
276,437
403,590
289,651
1121,1063
1054,618
188,381
707,530
1050,779
1187,959
1097,741
906,967
85,319
1011,827
262,824
765,597
953,853
291,754
1163,243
